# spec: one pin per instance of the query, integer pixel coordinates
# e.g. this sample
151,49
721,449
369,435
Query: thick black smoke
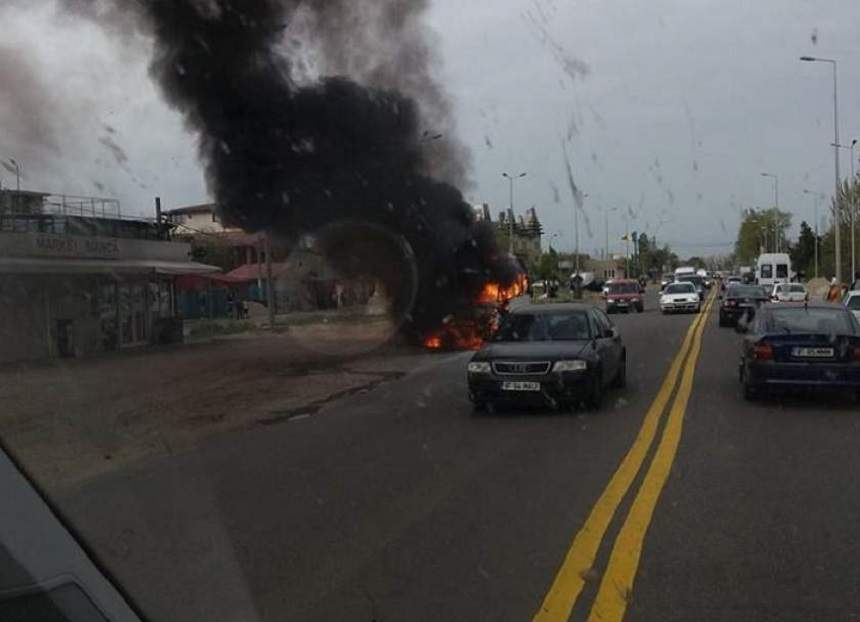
294,155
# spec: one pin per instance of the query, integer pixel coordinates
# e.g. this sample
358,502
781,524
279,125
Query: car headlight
479,367
611,301
569,366
664,300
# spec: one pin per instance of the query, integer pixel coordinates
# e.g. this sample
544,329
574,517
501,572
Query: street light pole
776,245
511,216
836,198
576,233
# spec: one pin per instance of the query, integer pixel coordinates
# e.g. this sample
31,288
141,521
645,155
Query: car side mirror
611,333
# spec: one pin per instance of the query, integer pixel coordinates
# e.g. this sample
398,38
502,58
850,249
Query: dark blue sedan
800,345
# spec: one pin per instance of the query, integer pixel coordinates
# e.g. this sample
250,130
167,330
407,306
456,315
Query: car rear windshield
623,288
680,288
560,326
797,289
811,320
746,291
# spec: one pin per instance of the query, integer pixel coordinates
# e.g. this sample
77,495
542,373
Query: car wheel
621,377
594,399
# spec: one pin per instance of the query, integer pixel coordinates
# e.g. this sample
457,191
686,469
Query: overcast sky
684,103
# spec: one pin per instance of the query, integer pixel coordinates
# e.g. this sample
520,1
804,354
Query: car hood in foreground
531,350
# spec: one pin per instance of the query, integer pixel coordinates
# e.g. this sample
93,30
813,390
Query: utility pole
270,291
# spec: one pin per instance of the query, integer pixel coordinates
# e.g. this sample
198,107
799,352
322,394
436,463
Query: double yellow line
616,586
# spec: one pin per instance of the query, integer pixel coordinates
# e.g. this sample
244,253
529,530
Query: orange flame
470,333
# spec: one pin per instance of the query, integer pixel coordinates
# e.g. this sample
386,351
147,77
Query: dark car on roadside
556,355
730,280
800,345
741,301
624,295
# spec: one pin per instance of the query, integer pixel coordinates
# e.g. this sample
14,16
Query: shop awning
38,265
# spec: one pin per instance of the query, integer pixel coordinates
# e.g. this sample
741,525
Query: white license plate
520,386
813,353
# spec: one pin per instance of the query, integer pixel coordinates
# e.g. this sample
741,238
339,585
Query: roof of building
192,209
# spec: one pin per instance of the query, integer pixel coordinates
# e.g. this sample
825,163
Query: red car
624,295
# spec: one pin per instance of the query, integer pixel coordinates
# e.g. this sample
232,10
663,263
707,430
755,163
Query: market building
77,277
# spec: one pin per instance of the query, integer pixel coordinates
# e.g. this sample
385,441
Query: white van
682,270
773,268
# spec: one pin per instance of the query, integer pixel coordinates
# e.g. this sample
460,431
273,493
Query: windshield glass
562,326
321,310
746,291
623,288
809,320
798,289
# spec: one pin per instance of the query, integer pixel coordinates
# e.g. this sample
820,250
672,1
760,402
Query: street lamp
851,205
511,224
815,196
606,227
776,203
576,232
836,199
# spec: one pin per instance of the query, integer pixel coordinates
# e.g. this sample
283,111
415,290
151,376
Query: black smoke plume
292,153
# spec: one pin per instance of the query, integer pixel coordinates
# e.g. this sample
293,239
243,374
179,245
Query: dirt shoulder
71,420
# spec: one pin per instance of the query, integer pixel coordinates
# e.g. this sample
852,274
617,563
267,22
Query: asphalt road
400,504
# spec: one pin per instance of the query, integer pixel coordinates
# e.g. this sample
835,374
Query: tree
548,266
759,232
803,253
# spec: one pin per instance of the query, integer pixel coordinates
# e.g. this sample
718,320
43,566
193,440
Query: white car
789,292
680,296
852,301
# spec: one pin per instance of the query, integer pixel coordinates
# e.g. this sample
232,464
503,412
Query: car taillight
857,353
731,303
763,352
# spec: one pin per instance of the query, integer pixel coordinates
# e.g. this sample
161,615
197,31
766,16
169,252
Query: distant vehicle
681,296
667,278
852,302
729,280
548,355
789,292
624,295
696,280
741,301
773,268
681,270
800,345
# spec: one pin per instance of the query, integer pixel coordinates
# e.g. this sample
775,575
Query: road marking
579,560
616,587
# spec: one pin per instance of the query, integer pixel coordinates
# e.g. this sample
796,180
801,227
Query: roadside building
527,232
76,277
605,269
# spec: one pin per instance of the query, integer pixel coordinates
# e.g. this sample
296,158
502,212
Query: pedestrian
834,294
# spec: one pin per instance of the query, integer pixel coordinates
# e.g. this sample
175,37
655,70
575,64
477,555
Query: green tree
758,231
548,266
803,253
212,250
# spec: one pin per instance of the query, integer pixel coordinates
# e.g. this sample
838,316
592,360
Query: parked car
800,345
852,302
741,301
789,292
624,295
681,296
549,355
